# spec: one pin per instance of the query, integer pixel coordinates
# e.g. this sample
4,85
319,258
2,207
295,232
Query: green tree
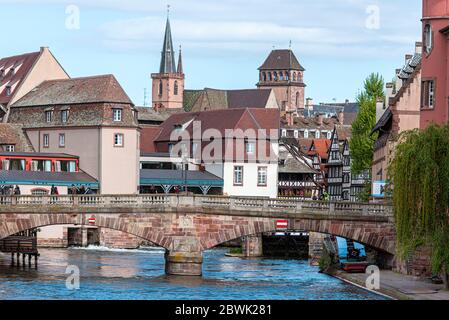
362,142
420,176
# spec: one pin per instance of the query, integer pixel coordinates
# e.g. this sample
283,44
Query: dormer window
117,115
12,71
428,40
48,116
2,73
8,91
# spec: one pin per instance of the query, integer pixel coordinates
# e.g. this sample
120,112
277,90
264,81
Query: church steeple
180,68
168,84
168,54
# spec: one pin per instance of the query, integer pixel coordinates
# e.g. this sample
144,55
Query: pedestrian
17,191
83,190
74,190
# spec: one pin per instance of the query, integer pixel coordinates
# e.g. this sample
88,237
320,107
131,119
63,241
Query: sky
339,42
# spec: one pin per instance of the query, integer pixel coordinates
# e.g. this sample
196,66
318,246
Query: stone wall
316,247
118,239
418,264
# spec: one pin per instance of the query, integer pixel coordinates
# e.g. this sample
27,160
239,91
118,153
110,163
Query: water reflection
139,274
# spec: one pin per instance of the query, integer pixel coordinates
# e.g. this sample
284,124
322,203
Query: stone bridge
187,225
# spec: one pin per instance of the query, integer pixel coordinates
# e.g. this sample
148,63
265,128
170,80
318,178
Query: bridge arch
379,236
123,224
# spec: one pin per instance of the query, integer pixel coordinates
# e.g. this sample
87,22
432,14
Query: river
107,274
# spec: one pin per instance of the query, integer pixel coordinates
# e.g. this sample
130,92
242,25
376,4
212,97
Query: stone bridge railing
255,206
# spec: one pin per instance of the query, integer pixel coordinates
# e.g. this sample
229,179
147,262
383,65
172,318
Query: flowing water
139,275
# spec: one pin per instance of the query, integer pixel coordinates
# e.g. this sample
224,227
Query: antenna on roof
290,45
145,97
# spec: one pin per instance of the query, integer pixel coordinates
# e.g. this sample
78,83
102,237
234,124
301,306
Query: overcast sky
339,42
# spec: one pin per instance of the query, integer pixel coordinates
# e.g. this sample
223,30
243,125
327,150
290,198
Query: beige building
20,74
91,118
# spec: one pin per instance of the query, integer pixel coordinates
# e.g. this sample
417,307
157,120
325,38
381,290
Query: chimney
341,117
389,93
380,108
309,103
418,47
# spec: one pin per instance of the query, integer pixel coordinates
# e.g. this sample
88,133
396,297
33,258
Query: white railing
208,202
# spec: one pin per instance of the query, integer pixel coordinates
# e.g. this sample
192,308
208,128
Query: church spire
168,54
180,68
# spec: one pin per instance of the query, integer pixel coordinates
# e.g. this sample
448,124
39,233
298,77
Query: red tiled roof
147,137
96,89
223,119
321,147
21,64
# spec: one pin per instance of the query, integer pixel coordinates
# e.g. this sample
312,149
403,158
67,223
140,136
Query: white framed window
117,115
428,94
194,149
250,147
119,140
317,134
64,116
8,91
238,176
9,148
329,135
62,140
262,176
296,133
428,40
306,134
48,116
284,133
46,140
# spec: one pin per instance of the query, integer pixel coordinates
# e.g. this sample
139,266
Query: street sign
92,220
282,225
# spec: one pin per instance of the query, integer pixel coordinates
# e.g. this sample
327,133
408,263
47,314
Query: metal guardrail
176,201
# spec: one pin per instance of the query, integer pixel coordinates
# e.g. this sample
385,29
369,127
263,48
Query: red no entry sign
92,220
282,224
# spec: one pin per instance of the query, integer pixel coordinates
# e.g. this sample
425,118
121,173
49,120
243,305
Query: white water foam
150,250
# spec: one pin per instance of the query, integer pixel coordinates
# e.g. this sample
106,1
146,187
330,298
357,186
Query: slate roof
214,99
383,121
148,115
46,178
95,89
22,65
281,60
168,53
13,134
178,177
292,165
410,66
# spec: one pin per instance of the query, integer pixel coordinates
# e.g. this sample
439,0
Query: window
8,91
238,175
118,140
176,88
250,147
306,134
12,71
329,135
296,133
428,94
275,76
41,165
270,76
64,116
262,176
264,76
48,116
160,88
284,133
9,148
117,115
294,76
39,192
428,41
65,166
46,140
62,140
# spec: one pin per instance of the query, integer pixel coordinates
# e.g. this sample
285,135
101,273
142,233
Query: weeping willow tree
420,176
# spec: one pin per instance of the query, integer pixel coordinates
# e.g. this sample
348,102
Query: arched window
297,99
287,76
306,134
39,192
270,76
264,76
294,76
428,41
176,88
160,88
281,76
275,76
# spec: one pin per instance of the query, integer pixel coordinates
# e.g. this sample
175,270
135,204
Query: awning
150,177
39,178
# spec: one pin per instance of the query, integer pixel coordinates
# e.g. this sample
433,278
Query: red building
435,84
